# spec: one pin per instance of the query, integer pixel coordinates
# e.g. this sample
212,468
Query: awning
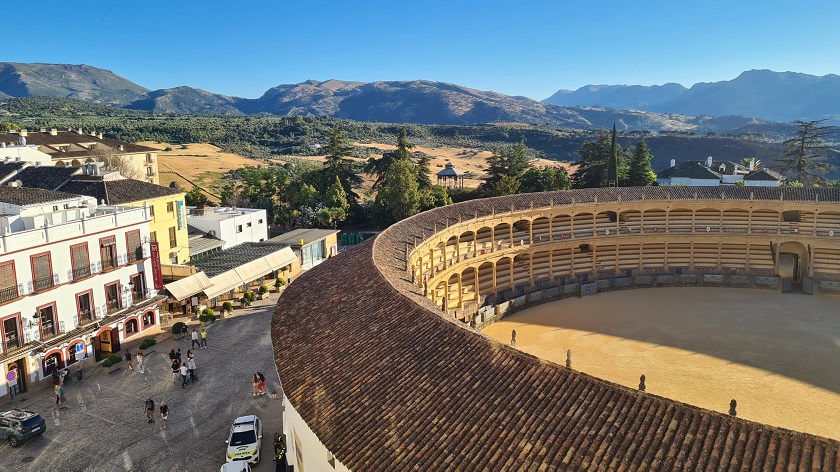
253,270
222,283
282,258
185,288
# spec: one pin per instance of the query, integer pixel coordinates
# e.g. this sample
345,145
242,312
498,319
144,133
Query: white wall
763,183
313,453
224,224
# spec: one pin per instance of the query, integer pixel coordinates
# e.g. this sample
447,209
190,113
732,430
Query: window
12,338
170,207
8,282
47,320
148,319
173,242
130,326
77,349
260,221
152,211
80,260
108,252
84,305
238,228
150,172
153,236
112,297
132,242
42,274
138,287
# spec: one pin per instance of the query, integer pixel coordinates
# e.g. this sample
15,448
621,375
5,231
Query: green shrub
227,306
245,302
207,317
167,149
147,343
207,311
250,296
263,289
111,360
177,327
279,282
195,309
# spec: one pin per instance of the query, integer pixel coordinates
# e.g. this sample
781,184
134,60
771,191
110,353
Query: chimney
122,148
43,130
53,132
673,163
752,164
709,162
23,132
80,131
99,136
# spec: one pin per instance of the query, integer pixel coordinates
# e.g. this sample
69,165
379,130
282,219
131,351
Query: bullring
382,370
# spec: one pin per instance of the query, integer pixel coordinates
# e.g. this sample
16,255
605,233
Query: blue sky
530,48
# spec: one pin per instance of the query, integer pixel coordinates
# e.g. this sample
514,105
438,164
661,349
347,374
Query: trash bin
79,374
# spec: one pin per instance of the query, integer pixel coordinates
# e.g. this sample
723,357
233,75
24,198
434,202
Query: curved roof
388,382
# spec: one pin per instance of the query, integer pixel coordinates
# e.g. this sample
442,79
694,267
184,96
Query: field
777,354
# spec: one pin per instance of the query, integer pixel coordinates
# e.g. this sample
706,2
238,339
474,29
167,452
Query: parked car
236,466
17,426
244,440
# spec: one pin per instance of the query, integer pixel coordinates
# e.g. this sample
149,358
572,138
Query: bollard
642,383
732,405
569,359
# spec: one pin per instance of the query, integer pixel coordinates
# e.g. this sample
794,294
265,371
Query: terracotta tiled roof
118,192
387,382
32,196
46,177
72,137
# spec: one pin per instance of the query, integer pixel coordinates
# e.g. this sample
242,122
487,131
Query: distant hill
80,82
186,100
768,95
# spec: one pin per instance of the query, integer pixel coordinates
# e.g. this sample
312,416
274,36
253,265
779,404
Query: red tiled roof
387,382
72,137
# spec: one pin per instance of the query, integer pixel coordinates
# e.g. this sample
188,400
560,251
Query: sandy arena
777,354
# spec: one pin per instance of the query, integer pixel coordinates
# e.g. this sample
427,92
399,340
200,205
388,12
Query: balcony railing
43,283
113,305
78,273
10,293
109,263
48,330
12,342
136,255
85,317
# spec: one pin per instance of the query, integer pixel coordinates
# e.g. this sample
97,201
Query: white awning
222,283
249,271
188,286
282,258
253,270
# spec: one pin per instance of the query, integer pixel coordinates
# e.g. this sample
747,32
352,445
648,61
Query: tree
506,185
380,167
336,203
755,162
195,197
805,154
337,165
7,126
122,164
544,179
592,168
512,161
424,180
612,165
433,197
639,173
399,194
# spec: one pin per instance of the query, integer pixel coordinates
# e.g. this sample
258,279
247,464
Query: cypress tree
612,166
640,174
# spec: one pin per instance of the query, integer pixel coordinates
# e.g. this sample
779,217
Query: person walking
171,355
128,367
195,341
184,331
203,339
176,369
262,384
256,381
184,375
164,413
178,356
191,369
140,367
62,400
57,396
150,409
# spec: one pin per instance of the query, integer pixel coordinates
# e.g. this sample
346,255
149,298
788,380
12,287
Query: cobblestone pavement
105,429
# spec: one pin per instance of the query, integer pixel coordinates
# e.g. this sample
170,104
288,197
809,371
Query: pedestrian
184,375
178,356
57,396
195,341
256,381
150,409
128,367
262,383
176,368
203,339
55,377
62,400
140,367
164,413
184,331
191,368
172,355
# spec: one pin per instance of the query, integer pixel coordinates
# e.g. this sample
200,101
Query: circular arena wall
381,367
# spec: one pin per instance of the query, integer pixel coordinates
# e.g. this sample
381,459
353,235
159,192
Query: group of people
198,339
60,399
141,364
185,370
150,411
259,384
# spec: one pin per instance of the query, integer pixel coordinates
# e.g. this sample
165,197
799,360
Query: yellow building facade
168,226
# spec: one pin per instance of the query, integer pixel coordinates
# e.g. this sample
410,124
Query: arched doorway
106,343
52,363
792,264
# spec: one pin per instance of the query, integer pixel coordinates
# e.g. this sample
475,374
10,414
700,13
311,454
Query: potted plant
147,343
110,361
207,316
227,308
176,329
279,282
263,291
245,300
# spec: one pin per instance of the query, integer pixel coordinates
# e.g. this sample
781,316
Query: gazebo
450,175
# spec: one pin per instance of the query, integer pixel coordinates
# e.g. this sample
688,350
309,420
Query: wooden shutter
41,266
7,276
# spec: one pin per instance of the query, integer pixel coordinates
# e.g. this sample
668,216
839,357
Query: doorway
20,365
106,343
789,266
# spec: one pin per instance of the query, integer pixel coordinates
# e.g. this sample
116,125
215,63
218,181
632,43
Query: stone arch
707,220
522,232
466,245
469,289
561,227
583,225
76,163
60,164
131,327
792,260
504,274
540,230
629,222
484,240
501,236
680,220
521,270
485,278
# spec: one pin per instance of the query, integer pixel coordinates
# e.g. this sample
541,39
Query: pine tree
380,167
639,173
592,167
400,194
337,165
512,161
805,154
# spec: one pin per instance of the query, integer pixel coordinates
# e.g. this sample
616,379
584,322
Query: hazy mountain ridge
81,82
765,94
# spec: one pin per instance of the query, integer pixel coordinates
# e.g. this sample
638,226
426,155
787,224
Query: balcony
10,293
12,342
43,283
48,330
113,305
86,316
78,273
109,263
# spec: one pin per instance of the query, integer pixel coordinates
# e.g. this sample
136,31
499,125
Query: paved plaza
105,429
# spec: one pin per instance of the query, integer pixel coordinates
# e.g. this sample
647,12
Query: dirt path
777,354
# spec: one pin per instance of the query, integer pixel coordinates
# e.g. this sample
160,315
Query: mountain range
729,106
768,95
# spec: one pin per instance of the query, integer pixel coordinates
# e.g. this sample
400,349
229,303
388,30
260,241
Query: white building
22,152
73,280
715,173
232,225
